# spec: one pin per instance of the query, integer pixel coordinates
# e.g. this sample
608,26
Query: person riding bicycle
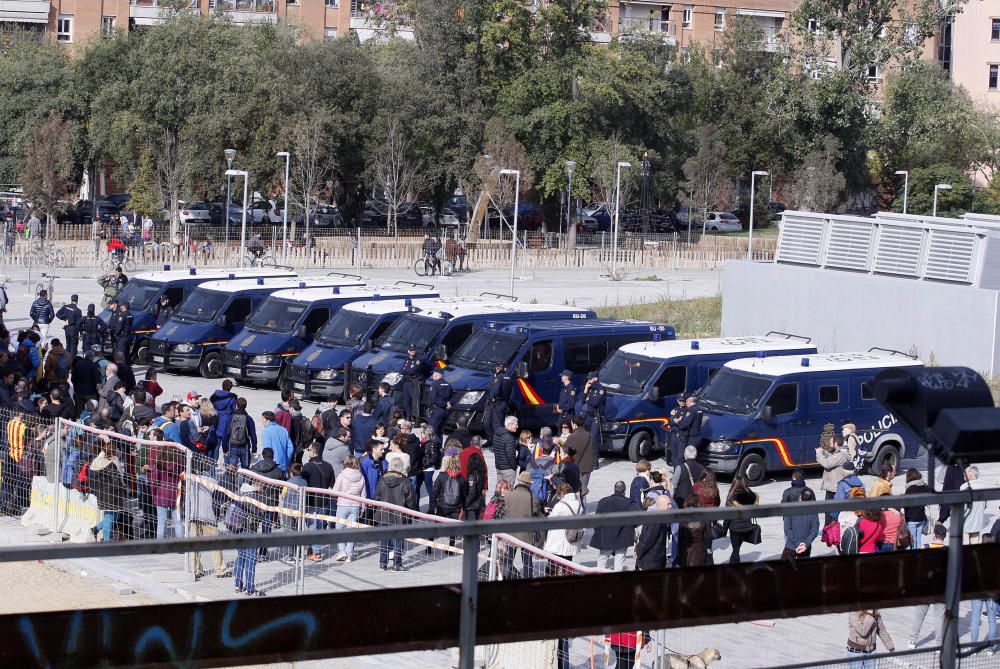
255,247
430,248
117,249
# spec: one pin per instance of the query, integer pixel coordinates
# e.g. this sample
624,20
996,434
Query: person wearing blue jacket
373,466
276,438
224,402
385,406
362,428
850,480
42,313
27,354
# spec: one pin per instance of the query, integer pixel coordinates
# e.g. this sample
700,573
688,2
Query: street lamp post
906,185
614,233
243,226
517,202
570,168
230,156
284,212
936,189
753,177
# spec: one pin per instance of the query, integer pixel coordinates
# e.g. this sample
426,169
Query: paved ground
763,644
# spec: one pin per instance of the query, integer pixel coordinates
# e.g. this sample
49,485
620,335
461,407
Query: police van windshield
486,349
138,294
346,328
276,315
201,306
411,329
627,374
733,392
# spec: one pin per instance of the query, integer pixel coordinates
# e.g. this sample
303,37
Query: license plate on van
158,358
233,370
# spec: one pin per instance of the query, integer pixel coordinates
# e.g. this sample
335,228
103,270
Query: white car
722,221
195,212
264,211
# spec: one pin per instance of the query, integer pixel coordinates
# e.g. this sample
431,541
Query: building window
64,29
874,73
994,73
329,34
260,6
333,3
720,18
687,16
107,26
995,30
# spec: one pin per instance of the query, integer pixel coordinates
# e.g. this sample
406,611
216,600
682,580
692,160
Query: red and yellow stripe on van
530,395
781,447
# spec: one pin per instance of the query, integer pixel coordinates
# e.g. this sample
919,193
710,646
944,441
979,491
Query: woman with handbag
563,543
744,530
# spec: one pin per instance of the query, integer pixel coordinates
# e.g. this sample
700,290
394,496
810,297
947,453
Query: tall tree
707,184
48,167
311,161
146,197
951,203
818,185
395,170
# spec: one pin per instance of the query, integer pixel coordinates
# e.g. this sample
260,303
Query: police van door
829,402
535,395
781,431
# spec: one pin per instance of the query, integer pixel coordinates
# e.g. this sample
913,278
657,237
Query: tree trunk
477,216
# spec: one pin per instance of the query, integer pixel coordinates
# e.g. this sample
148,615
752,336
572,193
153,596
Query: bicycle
48,255
48,284
428,265
263,260
113,261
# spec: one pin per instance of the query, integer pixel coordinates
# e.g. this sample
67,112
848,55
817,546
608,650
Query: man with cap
567,395
594,397
413,375
438,402
112,284
164,312
94,330
497,401
689,423
41,313
74,317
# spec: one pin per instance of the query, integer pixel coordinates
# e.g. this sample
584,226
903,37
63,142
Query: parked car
119,199
600,213
264,211
408,214
217,213
326,216
83,212
459,204
776,209
722,221
195,212
529,216
449,219
375,214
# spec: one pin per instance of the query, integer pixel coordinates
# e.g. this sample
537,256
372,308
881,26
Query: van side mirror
766,413
521,371
654,394
222,321
441,352
301,332
367,345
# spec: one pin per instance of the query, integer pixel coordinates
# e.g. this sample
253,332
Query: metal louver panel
801,241
898,250
950,255
849,245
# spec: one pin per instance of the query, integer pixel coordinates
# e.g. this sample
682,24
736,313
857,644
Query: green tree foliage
146,197
952,203
48,166
817,185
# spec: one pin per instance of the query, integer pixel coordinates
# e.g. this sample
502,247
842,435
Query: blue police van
206,320
144,290
436,329
535,353
285,323
644,380
319,371
767,414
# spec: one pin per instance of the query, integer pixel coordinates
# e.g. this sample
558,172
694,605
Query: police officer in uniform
567,395
74,317
164,313
94,330
678,439
594,398
121,331
498,395
413,376
438,402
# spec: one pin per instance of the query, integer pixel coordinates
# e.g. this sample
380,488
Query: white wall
851,312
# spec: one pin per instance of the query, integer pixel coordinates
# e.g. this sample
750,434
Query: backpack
574,535
317,424
304,432
495,509
850,538
452,495
62,366
539,485
238,430
236,518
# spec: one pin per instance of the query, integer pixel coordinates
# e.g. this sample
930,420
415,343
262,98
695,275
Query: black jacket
651,549
394,488
413,448
683,485
916,514
438,505
505,449
318,473
568,472
617,537
86,377
126,376
464,437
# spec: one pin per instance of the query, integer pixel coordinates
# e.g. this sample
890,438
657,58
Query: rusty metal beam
317,626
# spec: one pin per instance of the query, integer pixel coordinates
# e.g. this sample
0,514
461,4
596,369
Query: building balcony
774,41
24,11
633,24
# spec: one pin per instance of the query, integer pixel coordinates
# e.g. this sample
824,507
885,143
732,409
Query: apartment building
76,21
976,65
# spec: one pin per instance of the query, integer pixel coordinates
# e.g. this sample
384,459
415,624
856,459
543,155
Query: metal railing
647,24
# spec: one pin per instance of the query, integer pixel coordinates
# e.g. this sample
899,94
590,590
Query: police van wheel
887,455
753,469
141,354
640,446
211,366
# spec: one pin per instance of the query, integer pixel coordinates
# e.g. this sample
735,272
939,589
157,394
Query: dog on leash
696,661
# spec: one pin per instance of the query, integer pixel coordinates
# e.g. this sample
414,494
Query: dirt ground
36,586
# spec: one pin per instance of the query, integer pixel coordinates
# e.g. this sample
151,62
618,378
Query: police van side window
541,356
315,320
582,357
380,330
672,381
175,294
785,399
829,394
238,311
456,337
